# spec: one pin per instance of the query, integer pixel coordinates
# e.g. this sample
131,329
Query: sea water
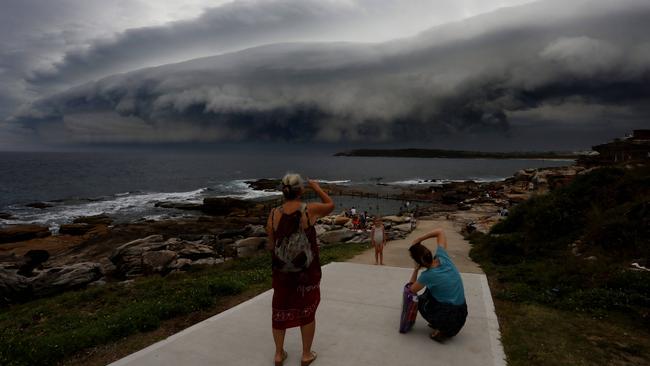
127,184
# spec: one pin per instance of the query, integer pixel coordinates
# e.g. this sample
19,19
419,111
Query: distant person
364,220
443,302
378,239
296,264
353,211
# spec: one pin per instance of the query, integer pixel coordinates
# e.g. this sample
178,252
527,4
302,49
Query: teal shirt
444,281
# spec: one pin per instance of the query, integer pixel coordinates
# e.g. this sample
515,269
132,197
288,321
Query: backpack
294,251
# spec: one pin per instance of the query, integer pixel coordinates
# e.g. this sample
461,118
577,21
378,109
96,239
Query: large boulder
403,227
249,246
59,279
157,261
153,254
394,219
341,220
16,233
336,236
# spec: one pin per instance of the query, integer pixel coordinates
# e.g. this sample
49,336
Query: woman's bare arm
317,210
439,234
415,285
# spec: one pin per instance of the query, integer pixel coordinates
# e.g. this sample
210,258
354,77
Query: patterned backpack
294,251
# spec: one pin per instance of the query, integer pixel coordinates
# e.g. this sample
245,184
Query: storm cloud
540,63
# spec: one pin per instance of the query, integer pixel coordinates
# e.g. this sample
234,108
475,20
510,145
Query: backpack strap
303,209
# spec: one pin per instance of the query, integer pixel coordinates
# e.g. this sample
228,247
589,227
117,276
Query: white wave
120,204
412,182
325,181
240,189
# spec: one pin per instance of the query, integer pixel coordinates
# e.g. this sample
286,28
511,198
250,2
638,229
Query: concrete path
396,251
357,324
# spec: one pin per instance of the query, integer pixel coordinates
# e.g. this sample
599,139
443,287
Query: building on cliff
634,148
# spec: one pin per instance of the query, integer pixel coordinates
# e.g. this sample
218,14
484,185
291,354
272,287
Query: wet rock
336,236
40,205
264,184
94,220
179,205
16,233
222,206
75,229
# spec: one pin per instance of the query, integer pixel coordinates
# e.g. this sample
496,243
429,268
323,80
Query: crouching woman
443,302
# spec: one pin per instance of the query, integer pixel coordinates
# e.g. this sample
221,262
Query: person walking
296,270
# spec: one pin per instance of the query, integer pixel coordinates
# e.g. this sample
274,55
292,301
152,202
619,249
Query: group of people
297,272
359,220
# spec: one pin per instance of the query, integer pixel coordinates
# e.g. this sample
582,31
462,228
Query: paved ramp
356,324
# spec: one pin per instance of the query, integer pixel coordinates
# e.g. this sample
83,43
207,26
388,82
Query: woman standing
296,264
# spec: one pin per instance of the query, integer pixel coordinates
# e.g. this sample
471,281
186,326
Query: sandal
437,336
284,357
307,363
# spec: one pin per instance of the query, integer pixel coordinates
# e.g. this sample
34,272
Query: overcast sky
556,74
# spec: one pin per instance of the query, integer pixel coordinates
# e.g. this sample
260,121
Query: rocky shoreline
95,250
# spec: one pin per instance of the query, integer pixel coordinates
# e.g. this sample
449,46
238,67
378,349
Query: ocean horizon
127,184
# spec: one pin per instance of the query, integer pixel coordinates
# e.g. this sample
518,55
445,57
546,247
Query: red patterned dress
296,295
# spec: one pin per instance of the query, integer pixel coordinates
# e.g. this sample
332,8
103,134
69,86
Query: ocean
127,184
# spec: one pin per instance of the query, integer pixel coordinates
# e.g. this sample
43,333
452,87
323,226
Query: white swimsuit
379,236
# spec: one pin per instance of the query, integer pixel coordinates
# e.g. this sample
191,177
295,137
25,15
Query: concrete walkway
396,251
356,324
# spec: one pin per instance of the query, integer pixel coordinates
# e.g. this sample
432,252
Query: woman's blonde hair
291,185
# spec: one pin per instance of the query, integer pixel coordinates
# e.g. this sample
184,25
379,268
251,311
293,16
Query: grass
534,334
558,268
47,331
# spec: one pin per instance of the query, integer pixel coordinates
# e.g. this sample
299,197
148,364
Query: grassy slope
556,308
46,331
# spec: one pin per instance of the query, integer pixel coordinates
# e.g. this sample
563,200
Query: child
378,239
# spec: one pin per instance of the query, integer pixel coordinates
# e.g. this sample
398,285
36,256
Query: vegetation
561,261
455,154
46,331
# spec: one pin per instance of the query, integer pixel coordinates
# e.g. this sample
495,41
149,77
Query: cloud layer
532,64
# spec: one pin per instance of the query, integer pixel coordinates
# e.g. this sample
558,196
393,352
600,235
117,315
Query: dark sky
479,75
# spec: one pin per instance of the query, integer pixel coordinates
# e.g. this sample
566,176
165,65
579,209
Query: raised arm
317,210
438,234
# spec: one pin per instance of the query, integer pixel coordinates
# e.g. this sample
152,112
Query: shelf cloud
544,63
